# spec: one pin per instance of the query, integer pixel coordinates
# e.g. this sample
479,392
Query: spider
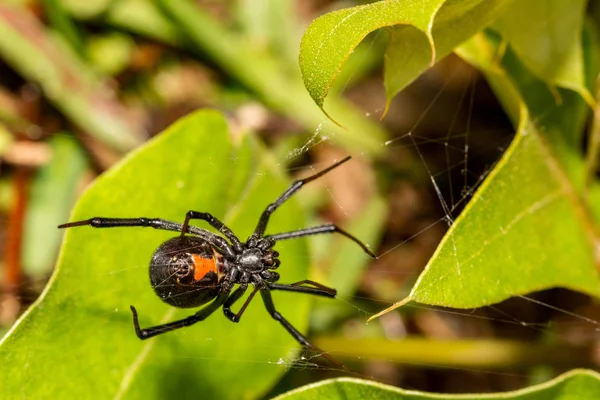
190,270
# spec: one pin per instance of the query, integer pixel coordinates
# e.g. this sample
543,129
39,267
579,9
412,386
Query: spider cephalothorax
199,266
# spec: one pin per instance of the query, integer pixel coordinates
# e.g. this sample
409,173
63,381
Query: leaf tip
588,98
332,120
432,47
388,101
391,308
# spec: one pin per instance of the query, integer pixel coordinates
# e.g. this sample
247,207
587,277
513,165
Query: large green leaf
78,341
527,227
424,31
577,384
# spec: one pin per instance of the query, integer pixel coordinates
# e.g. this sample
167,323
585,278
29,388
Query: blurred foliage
84,83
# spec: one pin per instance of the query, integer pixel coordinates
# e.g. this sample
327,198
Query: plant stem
593,153
488,353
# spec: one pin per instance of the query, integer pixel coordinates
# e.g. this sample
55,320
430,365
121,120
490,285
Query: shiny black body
198,266
172,273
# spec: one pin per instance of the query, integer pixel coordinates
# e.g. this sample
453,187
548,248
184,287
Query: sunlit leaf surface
577,384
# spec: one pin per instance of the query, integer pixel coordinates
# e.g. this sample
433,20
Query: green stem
593,154
487,353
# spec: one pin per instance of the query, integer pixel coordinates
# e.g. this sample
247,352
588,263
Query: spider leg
99,222
316,230
235,297
156,223
294,187
192,319
215,223
300,338
315,284
320,290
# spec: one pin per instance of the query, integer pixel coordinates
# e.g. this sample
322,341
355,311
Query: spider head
270,259
256,260
184,272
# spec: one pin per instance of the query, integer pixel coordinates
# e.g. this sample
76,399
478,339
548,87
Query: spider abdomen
184,272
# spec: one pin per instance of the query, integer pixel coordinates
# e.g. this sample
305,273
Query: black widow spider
189,271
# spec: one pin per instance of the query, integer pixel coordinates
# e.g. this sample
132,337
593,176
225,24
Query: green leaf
527,227
576,384
424,32
559,114
546,35
78,339
521,232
